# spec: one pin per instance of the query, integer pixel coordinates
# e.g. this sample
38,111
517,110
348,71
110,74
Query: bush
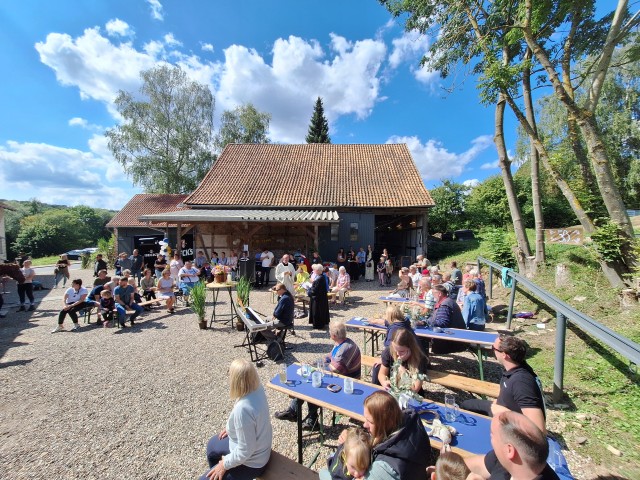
500,248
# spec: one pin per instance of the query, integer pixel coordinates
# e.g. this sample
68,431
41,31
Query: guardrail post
558,367
490,281
512,299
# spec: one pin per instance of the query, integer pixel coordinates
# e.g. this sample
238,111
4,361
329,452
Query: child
136,295
450,466
355,456
382,272
389,271
107,306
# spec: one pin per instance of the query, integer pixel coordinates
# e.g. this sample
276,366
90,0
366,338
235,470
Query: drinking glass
320,365
450,407
348,385
305,371
283,374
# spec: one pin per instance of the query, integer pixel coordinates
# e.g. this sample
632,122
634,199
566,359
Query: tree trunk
507,178
534,158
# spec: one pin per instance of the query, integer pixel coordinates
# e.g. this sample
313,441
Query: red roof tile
313,176
144,204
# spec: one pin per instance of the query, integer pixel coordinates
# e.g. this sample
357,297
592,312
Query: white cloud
78,122
472,182
490,165
206,47
435,162
170,40
410,48
60,175
117,27
156,10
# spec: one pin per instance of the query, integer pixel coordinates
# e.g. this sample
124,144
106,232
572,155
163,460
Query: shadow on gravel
16,363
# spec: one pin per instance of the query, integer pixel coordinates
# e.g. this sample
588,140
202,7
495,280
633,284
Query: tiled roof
313,176
146,203
206,215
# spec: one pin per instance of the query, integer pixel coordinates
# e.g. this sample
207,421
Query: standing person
159,265
456,274
200,259
480,287
520,387
61,271
474,308
361,257
73,301
242,449
137,264
369,265
125,262
389,271
315,258
344,359
124,297
341,258
319,302
520,451
266,259
26,288
174,267
382,272
99,264
285,274
401,447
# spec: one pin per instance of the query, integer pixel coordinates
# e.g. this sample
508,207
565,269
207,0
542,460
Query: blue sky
66,60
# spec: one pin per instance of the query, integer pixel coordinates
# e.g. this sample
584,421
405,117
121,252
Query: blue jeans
122,312
61,276
137,274
216,449
186,287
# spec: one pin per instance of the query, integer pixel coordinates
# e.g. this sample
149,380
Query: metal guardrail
620,344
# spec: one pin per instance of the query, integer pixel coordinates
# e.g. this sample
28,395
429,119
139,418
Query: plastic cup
450,408
348,386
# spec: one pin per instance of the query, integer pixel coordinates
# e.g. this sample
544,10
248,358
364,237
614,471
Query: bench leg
299,420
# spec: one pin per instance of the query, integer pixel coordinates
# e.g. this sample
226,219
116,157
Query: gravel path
141,403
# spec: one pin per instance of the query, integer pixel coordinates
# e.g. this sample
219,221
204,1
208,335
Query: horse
11,270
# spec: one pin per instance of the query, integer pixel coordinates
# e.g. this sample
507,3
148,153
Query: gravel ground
141,403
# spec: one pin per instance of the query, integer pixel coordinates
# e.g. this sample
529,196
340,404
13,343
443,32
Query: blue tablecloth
474,429
399,300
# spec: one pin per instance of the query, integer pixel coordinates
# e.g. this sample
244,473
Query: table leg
234,312
480,365
299,419
213,307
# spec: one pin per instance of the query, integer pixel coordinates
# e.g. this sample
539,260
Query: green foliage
244,124
197,298
499,246
87,260
165,140
449,211
243,290
107,247
319,127
609,242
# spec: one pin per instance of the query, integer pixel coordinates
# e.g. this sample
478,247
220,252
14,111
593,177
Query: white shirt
73,296
192,275
28,274
267,258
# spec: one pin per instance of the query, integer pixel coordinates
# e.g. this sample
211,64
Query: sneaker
132,322
59,328
310,423
32,307
76,326
286,415
22,309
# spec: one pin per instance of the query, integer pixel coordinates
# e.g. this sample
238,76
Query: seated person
474,308
107,307
74,300
393,319
412,362
450,466
124,298
446,314
302,277
102,278
405,284
344,360
165,288
520,450
282,314
136,293
342,284
354,458
520,388
188,276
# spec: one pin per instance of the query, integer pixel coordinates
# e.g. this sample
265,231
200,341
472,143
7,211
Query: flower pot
202,324
239,325
220,277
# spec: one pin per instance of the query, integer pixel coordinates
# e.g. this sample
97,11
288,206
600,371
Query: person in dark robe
319,303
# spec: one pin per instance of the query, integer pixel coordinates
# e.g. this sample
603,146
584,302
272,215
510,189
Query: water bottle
316,379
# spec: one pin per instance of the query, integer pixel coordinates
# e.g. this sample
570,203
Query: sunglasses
496,349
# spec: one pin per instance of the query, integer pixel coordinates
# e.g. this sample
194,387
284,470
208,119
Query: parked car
463,235
76,254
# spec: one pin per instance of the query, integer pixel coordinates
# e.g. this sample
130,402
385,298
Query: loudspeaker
248,270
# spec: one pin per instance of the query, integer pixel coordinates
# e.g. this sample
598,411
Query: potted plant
243,290
220,273
198,297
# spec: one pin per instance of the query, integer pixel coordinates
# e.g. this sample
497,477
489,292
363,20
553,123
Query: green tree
449,211
165,140
319,127
49,233
244,124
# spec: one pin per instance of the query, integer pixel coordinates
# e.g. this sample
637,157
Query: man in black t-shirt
520,450
520,388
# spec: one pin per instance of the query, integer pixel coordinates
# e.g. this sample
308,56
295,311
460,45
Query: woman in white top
74,300
164,289
242,449
174,266
26,288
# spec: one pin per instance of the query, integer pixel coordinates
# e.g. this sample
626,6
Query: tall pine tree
319,127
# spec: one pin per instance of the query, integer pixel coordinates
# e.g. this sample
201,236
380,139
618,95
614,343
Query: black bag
274,351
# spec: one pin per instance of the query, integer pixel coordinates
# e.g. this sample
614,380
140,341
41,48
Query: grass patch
597,381
51,260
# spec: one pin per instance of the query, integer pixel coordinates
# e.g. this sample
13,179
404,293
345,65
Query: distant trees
165,140
55,229
244,124
319,127
449,211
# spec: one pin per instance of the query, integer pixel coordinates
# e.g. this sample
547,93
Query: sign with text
567,236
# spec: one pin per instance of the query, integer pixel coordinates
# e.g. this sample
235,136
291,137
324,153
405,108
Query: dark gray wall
366,225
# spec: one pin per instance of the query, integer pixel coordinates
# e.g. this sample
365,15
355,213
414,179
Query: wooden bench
88,311
450,380
283,468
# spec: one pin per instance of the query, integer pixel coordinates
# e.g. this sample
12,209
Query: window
353,232
334,232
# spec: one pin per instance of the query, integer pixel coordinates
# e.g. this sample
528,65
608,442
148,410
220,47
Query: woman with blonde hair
405,359
242,449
